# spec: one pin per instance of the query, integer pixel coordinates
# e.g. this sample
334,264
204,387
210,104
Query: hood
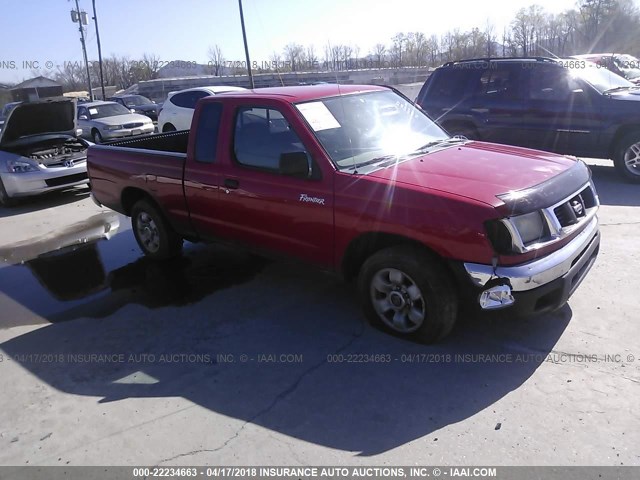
122,119
477,170
42,117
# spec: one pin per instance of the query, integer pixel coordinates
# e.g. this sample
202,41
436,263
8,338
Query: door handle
231,183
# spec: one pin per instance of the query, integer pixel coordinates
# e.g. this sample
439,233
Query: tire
408,292
153,233
168,127
5,199
463,129
96,136
627,157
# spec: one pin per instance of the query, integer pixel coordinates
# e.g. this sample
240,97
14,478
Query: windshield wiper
428,146
383,158
617,89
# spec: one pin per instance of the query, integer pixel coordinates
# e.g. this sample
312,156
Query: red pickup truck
357,180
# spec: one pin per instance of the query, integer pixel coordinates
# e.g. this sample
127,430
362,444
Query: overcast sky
42,31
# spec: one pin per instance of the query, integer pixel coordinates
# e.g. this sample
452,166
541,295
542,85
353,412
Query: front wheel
463,129
153,233
627,157
5,199
409,292
97,136
168,128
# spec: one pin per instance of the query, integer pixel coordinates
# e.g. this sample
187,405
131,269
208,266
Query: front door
263,208
563,112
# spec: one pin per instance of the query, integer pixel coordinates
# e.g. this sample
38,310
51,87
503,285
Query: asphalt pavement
224,358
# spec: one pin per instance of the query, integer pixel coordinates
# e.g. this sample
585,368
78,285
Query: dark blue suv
567,106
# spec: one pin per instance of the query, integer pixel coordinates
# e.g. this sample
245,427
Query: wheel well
622,131
361,248
168,124
130,196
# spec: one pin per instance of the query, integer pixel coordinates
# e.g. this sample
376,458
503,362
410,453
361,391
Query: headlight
531,227
113,127
21,166
515,234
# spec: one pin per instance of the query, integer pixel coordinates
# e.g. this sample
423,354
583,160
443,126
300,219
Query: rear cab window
207,133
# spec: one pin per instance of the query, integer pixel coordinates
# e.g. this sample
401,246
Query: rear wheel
627,157
408,292
168,127
153,233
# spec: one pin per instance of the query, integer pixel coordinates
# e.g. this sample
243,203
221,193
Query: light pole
95,19
246,47
81,18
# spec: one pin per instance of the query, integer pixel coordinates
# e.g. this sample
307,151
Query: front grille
62,163
55,182
576,208
561,219
133,125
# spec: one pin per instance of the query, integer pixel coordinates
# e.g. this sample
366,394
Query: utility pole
81,18
246,47
95,19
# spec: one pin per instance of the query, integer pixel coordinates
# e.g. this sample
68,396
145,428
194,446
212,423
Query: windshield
358,129
136,100
600,78
629,65
107,110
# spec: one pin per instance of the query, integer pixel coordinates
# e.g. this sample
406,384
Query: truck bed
174,142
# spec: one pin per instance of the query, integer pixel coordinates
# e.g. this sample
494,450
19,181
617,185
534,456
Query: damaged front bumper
541,285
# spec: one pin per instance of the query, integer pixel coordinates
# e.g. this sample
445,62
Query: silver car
101,121
39,151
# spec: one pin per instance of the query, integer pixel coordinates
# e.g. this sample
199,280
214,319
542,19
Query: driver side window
261,136
551,84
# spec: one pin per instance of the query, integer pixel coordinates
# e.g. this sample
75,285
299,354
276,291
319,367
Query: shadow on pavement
48,200
286,348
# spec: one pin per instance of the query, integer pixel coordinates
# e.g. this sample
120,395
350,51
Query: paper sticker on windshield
93,111
318,116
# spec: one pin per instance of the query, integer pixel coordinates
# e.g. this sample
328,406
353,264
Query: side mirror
83,117
295,164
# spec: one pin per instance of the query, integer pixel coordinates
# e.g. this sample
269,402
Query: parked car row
561,106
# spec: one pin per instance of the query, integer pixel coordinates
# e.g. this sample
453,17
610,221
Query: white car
177,110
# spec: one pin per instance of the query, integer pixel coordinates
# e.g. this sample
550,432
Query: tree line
592,26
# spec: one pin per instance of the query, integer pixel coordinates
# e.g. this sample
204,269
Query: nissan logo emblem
578,208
